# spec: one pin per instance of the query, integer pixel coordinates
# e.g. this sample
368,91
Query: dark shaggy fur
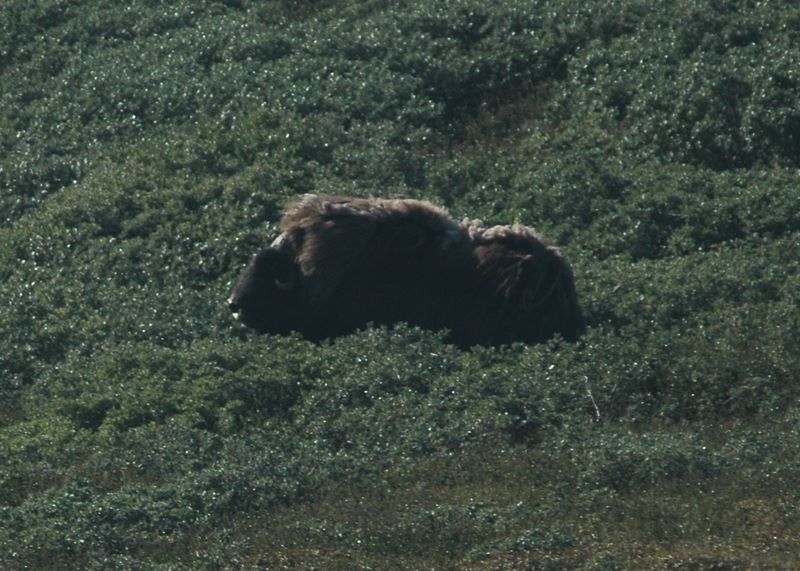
341,263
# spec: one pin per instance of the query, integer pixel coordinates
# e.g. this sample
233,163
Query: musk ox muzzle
341,263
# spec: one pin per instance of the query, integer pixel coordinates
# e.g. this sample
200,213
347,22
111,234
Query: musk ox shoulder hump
329,234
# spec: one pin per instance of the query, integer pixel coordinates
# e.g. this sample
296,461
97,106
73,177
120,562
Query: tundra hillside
147,150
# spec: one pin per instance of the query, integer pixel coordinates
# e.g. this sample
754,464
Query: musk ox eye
284,285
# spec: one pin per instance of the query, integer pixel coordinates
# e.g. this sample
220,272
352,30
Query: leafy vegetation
146,152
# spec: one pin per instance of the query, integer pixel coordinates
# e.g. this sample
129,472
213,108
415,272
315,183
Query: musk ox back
341,263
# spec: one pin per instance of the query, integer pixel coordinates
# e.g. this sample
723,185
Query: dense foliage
146,151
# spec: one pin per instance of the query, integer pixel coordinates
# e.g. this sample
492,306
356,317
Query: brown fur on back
329,235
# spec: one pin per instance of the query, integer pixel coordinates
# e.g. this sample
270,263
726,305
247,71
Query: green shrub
697,83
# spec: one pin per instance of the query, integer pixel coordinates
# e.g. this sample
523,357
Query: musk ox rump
341,263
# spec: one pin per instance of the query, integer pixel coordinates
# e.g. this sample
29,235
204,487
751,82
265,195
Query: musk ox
341,263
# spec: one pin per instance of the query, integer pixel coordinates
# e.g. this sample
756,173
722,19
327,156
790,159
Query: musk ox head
341,263
264,291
